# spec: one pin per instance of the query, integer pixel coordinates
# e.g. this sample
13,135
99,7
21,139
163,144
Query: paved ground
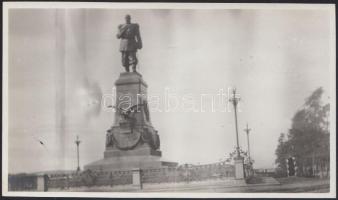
284,185
297,186
268,185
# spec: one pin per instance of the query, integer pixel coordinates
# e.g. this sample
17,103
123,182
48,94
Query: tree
281,153
307,139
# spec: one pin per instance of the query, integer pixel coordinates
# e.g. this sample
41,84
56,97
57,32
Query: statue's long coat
130,37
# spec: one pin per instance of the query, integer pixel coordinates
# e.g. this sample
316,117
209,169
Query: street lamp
77,142
234,99
239,163
247,130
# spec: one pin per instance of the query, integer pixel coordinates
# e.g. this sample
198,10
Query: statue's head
128,18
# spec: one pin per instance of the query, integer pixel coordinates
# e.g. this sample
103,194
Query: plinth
239,168
131,142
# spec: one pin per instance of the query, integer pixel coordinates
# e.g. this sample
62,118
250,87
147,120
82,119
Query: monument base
131,142
239,168
142,150
124,163
141,158
128,163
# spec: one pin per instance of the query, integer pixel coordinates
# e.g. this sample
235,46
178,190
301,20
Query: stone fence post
137,181
239,168
42,183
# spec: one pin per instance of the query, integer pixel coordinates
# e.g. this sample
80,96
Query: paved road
314,185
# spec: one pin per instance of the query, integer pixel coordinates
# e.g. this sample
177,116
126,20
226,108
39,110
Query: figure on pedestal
130,36
132,141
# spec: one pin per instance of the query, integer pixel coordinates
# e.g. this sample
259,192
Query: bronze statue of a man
130,36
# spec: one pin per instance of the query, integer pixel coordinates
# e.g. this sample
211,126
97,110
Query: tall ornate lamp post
235,101
247,130
77,142
239,162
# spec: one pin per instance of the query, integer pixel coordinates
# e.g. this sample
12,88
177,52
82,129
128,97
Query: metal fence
90,178
186,173
22,182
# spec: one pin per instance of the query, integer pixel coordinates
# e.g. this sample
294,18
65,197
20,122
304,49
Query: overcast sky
275,59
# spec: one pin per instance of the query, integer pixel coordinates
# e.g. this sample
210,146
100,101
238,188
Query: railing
114,178
187,174
22,182
90,178
123,177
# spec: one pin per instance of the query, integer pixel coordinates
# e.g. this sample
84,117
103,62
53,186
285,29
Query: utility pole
77,142
247,130
235,101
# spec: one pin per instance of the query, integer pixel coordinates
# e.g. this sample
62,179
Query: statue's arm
138,37
119,32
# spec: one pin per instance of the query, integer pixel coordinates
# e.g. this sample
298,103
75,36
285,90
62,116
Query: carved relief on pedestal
133,128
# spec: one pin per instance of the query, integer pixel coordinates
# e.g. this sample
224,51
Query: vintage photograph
169,100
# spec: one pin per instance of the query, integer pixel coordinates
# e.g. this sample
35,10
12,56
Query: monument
132,141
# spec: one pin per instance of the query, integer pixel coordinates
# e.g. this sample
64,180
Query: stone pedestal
239,168
131,142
